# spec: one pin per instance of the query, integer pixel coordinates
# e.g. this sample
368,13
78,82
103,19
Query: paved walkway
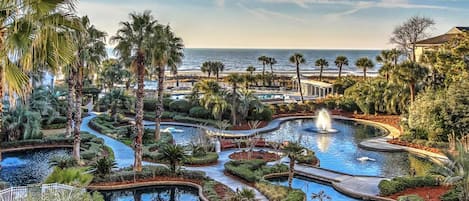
124,156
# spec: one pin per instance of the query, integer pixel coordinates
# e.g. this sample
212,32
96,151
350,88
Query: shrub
410,198
208,158
103,166
69,176
63,161
309,158
192,120
280,193
199,112
451,195
180,106
264,115
253,170
149,104
398,184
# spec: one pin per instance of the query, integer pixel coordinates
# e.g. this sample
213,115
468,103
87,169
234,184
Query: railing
26,193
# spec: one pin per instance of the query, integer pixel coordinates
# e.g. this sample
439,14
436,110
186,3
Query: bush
280,193
149,104
69,176
253,170
451,195
180,106
410,198
103,166
208,158
63,161
192,120
310,158
264,115
398,184
199,112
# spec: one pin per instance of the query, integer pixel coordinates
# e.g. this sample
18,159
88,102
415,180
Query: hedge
180,106
253,170
410,198
208,158
398,184
191,120
200,112
280,193
127,174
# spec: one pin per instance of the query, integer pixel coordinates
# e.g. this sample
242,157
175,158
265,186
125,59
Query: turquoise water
28,167
340,151
309,187
155,193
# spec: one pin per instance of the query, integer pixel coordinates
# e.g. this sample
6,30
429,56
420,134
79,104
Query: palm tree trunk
291,172
340,71
263,74
78,97
139,111
159,102
320,74
271,69
364,73
299,82
233,105
412,92
70,101
1,98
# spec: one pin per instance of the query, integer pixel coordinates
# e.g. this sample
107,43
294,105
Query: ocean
239,59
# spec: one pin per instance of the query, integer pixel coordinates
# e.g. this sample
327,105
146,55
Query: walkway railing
22,193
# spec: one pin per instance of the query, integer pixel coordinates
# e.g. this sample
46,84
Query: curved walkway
124,156
50,146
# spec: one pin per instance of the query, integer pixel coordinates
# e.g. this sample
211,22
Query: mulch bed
417,146
427,193
265,156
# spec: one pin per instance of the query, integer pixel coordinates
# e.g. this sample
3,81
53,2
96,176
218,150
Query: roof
317,83
437,40
463,28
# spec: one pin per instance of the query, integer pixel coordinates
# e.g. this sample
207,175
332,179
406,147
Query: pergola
315,88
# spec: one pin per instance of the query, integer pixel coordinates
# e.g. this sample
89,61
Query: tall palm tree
167,51
292,150
298,59
207,68
389,59
271,61
247,101
213,98
217,68
234,79
410,73
38,35
91,51
364,63
321,63
263,60
174,154
340,61
133,39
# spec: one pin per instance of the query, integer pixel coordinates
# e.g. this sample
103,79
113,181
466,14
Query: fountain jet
323,123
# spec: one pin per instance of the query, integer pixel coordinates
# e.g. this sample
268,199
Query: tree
410,32
174,154
389,60
340,61
22,124
298,59
38,35
263,60
321,63
364,63
456,170
247,101
250,69
133,39
91,51
271,61
234,79
213,98
207,68
117,99
244,194
410,73
167,51
292,150
321,196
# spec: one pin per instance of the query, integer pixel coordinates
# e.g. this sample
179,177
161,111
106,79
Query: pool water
159,193
340,151
182,135
28,167
309,187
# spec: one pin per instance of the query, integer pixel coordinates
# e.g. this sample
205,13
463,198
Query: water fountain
323,123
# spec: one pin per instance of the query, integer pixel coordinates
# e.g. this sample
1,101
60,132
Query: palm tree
247,101
213,98
340,61
234,79
133,39
321,196
174,154
298,59
217,68
91,51
167,51
38,35
364,63
271,61
22,124
321,63
250,69
389,59
410,73
292,150
263,60
116,99
456,170
207,68
244,194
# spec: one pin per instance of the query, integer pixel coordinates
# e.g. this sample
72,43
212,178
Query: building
435,42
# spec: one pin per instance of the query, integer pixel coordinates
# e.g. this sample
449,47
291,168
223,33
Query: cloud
220,3
268,14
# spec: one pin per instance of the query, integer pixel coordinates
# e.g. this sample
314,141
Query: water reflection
156,193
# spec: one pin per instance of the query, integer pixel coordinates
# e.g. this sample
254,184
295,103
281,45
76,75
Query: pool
270,96
160,193
309,187
340,151
28,167
182,135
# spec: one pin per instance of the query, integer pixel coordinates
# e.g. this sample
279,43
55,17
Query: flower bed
256,155
399,184
209,158
432,193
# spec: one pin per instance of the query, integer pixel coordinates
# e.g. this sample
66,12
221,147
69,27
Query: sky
282,24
